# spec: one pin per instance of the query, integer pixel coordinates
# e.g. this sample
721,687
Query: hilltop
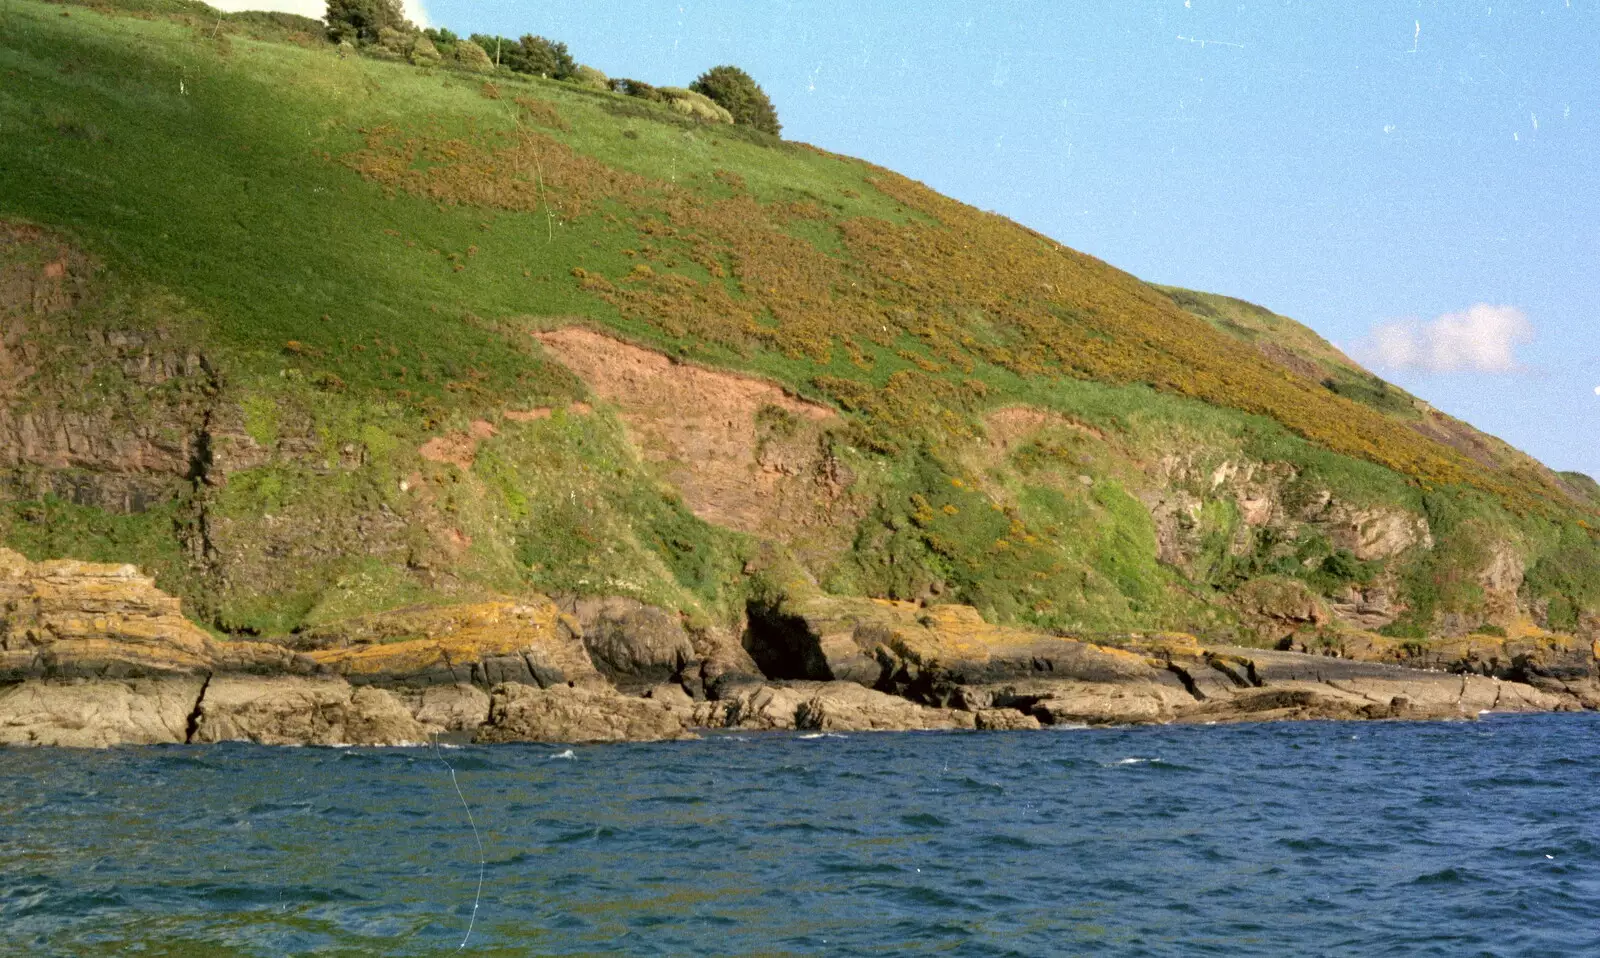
313,336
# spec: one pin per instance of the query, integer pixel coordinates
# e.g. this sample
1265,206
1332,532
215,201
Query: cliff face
95,655
124,440
380,404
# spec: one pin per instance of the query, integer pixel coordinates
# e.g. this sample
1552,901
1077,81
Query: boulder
1004,720
634,645
1098,703
847,707
671,695
523,713
765,707
834,707
447,708
290,710
725,665
97,713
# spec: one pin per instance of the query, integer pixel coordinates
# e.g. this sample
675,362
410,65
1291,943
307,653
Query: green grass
214,166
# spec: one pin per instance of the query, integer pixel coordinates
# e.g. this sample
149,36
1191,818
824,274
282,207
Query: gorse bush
738,93
636,88
423,53
472,57
696,105
587,76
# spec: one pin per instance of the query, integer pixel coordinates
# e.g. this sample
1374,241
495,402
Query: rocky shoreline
95,655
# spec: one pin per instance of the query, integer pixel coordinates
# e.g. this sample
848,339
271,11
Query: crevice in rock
783,646
1330,683
1187,680
1232,674
195,532
533,673
193,724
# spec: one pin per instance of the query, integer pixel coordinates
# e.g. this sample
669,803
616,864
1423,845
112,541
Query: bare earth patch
742,452
1013,426
458,448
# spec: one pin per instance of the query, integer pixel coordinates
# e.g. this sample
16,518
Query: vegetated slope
295,331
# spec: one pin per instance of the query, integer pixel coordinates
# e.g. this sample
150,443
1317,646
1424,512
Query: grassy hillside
349,257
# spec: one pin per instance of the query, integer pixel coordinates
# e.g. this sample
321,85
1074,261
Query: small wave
1131,761
568,754
1311,844
1446,876
816,735
978,785
1002,840
591,834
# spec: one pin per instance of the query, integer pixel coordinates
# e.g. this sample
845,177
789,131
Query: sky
1417,180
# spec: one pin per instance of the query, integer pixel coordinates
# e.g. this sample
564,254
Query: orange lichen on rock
64,618
456,640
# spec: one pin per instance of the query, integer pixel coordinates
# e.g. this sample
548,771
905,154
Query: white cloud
1484,339
313,8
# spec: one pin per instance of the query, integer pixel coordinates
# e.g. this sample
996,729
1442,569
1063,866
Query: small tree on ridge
738,93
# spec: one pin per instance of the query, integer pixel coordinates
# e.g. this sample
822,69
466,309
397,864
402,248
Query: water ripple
1318,838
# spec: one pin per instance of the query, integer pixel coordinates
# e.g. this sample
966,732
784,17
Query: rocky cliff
95,655
415,387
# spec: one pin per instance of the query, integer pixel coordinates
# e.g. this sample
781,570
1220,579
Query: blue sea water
1289,839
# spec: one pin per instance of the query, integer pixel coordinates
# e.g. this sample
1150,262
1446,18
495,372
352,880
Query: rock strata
95,713
95,655
521,713
289,710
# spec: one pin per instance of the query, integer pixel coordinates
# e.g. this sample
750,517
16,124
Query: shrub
638,88
359,21
696,105
738,93
392,42
424,53
587,76
473,57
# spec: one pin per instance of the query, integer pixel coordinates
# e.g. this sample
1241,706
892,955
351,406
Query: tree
545,58
738,93
532,55
358,21
492,45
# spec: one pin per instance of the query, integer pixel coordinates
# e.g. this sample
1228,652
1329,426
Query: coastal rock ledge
95,655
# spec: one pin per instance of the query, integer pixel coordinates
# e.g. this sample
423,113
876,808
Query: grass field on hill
367,245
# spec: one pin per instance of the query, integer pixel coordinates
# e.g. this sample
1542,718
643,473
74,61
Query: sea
1319,838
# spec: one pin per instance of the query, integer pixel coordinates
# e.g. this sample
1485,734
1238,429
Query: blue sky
1419,180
